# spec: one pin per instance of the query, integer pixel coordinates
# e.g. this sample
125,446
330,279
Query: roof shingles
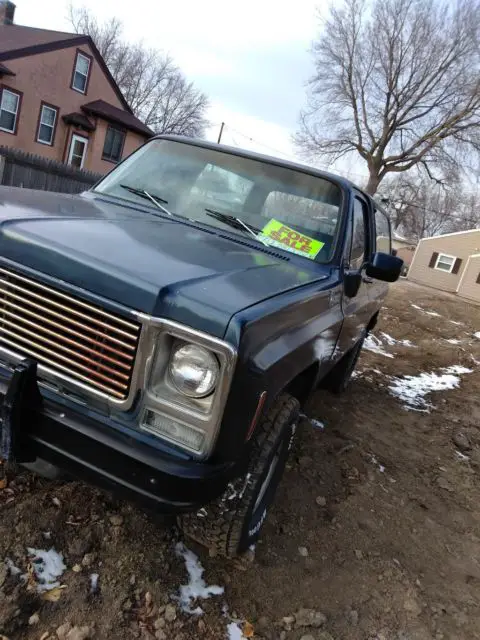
113,114
17,41
15,37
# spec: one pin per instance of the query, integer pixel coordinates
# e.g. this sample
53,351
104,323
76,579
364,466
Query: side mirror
384,266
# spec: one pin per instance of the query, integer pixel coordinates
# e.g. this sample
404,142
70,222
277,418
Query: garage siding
469,286
459,245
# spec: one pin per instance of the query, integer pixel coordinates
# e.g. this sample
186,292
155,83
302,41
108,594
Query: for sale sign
277,234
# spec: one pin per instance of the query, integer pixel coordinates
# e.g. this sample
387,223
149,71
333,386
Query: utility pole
220,134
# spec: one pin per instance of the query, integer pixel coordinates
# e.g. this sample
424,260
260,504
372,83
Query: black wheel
341,376
231,524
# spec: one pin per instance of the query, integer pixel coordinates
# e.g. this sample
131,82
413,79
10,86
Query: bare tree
396,82
154,87
420,208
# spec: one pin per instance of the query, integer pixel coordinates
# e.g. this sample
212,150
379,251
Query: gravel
309,618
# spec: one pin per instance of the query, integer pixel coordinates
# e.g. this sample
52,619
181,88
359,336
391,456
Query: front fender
279,339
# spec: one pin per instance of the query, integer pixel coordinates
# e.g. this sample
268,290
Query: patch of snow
388,339
374,460
14,571
411,390
94,582
392,341
234,631
453,341
316,424
459,324
477,334
429,313
47,534
372,343
476,362
196,587
461,456
47,566
457,369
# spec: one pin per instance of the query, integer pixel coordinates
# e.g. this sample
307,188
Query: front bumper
34,428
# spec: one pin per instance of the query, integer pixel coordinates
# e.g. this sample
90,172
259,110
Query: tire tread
221,529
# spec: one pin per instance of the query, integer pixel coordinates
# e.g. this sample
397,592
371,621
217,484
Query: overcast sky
251,58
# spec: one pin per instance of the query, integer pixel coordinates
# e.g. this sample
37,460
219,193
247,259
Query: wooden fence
21,169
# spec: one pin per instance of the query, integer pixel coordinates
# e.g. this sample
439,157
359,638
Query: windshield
281,207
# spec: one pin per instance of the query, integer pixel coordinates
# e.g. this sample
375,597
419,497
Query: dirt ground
376,523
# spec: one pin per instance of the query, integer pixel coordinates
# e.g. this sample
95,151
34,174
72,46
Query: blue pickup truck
160,332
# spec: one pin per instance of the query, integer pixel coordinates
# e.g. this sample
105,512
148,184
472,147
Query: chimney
7,12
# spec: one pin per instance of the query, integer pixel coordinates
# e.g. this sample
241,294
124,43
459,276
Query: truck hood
162,267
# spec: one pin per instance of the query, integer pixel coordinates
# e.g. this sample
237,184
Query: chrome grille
68,336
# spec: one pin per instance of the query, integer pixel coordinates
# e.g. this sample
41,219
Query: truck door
357,309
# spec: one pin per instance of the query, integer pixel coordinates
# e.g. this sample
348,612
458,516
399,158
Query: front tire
231,524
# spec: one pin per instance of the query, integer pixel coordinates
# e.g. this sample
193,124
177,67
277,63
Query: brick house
59,100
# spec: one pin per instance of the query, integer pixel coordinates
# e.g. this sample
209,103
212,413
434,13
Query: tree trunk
372,184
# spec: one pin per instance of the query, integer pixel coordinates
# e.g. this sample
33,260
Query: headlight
193,370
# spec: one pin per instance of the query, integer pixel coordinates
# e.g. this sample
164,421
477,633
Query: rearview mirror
384,266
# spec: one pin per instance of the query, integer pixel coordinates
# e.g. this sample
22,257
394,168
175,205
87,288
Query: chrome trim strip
41,322
62,295
58,356
56,376
57,325
31,294
57,345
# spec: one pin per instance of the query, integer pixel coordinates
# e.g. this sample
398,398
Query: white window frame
77,58
439,259
15,113
72,142
46,106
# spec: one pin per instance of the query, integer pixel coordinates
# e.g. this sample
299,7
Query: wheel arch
303,384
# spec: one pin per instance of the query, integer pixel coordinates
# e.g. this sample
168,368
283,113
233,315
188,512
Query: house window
9,110
445,263
113,147
46,124
80,73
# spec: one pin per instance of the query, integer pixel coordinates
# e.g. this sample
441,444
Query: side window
359,235
384,238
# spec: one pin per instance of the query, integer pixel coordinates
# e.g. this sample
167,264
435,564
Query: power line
228,127
262,144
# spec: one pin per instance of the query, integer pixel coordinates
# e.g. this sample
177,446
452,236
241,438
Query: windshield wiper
143,193
236,223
